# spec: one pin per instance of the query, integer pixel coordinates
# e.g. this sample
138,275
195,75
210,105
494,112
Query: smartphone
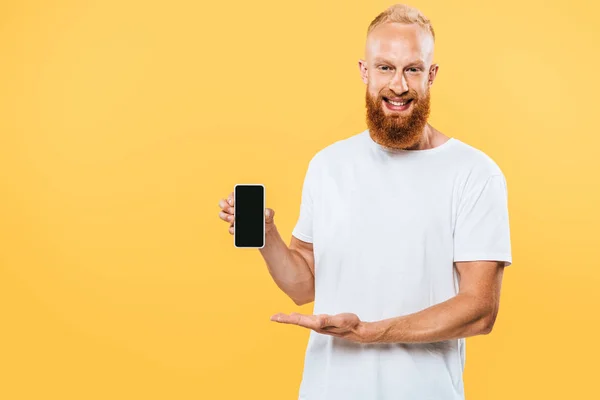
249,215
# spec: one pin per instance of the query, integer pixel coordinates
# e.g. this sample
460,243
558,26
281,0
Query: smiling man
398,103
402,238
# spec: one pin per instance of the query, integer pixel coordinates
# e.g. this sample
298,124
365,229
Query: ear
364,74
433,70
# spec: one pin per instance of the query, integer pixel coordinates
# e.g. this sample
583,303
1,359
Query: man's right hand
227,213
292,268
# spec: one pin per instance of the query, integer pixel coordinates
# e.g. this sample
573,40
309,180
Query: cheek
418,85
376,85
374,92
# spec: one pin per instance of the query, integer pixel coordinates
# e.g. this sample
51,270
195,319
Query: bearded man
401,241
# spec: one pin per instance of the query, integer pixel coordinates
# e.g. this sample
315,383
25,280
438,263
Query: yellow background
124,122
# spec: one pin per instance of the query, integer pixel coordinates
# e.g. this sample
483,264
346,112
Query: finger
344,320
226,207
231,229
280,317
325,321
269,215
334,331
313,322
307,321
230,199
329,322
226,217
336,334
310,321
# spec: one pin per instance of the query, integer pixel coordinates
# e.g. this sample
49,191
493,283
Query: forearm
458,317
288,268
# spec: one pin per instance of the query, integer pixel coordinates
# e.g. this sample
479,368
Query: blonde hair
404,14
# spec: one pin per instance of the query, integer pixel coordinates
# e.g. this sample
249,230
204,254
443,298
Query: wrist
379,331
271,235
369,332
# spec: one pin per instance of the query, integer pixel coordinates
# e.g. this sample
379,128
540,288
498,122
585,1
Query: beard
397,130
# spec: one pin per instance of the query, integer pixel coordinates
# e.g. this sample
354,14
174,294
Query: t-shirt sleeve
482,225
304,225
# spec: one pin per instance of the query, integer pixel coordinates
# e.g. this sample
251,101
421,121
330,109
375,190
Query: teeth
397,103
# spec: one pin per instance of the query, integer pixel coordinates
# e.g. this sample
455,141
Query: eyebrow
419,63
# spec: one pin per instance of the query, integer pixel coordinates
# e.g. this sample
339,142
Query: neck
429,139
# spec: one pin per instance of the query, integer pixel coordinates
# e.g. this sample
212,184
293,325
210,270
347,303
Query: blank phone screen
249,224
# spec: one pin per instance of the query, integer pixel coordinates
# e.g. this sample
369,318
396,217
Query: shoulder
337,151
473,158
475,169
475,164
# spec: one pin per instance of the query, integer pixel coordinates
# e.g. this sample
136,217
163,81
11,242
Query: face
398,72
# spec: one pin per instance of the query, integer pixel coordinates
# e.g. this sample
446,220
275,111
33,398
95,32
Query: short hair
404,14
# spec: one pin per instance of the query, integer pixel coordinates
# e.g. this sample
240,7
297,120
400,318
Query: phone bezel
263,217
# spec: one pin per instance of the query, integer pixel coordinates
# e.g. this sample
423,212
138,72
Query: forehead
397,42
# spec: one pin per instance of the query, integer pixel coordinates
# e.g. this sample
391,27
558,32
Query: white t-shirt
386,226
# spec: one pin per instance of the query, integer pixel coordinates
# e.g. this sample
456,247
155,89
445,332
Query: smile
397,105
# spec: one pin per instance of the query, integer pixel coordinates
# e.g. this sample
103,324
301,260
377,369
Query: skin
471,312
398,64
291,267
407,53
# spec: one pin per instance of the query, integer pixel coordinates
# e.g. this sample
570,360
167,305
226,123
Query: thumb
269,214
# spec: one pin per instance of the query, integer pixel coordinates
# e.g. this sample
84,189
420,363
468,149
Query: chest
382,205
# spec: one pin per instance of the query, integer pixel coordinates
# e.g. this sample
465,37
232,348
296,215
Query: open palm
346,325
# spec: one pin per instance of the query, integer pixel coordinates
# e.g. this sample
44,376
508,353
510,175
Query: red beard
396,130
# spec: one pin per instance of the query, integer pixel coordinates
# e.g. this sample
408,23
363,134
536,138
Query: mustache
412,95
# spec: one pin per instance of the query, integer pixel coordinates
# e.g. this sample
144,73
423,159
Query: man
401,241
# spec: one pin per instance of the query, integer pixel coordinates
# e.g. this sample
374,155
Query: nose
398,83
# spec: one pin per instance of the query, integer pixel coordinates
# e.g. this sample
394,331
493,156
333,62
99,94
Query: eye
414,69
384,66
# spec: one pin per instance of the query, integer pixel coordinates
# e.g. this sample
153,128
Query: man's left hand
346,326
